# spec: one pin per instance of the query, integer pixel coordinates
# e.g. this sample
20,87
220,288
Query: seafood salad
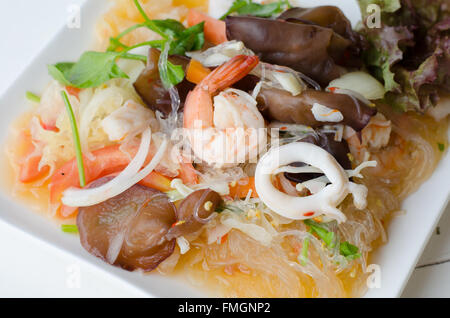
259,151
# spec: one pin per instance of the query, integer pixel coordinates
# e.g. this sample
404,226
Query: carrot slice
242,187
215,30
156,181
196,72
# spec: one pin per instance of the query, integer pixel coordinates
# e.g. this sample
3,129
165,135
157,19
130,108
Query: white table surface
32,269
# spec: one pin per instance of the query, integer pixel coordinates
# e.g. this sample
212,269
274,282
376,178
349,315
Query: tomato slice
74,91
215,30
29,163
49,126
187,173
29,170
107,161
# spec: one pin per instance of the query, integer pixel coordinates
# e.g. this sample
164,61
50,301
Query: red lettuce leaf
410,52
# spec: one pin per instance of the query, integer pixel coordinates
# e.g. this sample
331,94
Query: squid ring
322,202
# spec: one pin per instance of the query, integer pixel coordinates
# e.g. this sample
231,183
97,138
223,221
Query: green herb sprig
346,249
349,251
248,7
76,139
329,237
69,228
96,68
32,97
304,251
170,74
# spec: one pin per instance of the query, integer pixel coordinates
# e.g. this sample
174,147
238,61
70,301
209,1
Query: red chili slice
130,229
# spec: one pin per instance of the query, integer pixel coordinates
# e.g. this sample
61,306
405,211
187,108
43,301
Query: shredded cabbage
90,109
256,232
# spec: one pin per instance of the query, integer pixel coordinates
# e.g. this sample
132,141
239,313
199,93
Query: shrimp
224,125
374,137
377,143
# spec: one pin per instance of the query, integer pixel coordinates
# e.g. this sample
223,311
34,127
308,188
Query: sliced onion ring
324,201
126,179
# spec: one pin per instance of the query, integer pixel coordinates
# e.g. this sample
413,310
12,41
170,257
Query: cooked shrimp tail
229,73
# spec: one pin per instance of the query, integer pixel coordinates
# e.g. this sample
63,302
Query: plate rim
111,272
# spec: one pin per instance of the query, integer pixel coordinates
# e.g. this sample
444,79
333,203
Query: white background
32,269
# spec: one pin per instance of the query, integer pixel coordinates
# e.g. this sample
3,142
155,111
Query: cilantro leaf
327,236
169,27
199,38
95,68
59,72
182,39
248,7
348,250
175,73
191,39
170,74
260,10
235,7
91,70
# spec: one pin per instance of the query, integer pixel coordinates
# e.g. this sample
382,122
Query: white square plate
408,234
